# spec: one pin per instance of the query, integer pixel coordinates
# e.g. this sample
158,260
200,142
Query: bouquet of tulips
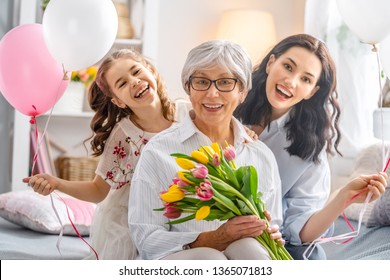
212,187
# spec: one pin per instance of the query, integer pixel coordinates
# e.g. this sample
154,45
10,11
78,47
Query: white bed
20,243
30,227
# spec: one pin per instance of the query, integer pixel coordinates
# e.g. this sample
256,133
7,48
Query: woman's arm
319,222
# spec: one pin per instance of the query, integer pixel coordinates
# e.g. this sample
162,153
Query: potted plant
74,98
382,114
44,4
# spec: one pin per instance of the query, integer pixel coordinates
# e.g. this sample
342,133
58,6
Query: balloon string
73,226
33,121
65,77
62,226
38,141
387,164
382,126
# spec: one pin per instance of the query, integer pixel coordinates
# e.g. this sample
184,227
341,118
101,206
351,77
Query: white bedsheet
19,243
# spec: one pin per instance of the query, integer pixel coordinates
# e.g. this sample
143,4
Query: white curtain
357,78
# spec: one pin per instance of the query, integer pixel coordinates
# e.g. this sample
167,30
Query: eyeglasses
223,84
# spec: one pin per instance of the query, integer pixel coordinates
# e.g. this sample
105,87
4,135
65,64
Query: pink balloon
31,80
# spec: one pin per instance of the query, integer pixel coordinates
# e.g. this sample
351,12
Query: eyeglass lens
223,84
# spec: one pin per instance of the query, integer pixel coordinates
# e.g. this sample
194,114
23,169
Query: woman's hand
42,183
234,229
376,183
251,133
273,230
241,227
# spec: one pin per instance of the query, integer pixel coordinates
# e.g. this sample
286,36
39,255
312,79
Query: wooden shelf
70,114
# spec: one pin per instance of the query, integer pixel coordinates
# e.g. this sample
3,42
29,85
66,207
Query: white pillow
35,211
369,161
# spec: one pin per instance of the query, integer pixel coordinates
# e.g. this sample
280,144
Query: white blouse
305,185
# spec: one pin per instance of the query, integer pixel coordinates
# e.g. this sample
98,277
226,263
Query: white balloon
384,55
368,19
79,33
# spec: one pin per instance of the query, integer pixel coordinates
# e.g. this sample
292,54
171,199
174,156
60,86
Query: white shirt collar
281,121
188,129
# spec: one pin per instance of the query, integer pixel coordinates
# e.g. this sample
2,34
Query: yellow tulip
181,176
173,194
185,163
207,150
216,148
202,213
200,156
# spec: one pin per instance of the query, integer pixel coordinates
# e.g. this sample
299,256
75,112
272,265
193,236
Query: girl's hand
273,230
376,183
42,183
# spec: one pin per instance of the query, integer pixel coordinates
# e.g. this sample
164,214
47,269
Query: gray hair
222,53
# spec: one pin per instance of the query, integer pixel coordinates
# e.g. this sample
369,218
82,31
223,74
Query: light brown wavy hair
108,114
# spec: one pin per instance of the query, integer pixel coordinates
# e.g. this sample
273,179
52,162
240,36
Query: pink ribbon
74,227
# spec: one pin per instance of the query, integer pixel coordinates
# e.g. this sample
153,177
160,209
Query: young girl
131,105
293,108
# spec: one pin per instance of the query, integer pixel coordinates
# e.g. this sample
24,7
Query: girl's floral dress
110,235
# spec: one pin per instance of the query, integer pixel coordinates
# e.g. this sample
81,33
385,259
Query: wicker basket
77,168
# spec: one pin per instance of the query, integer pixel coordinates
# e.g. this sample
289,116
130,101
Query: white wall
173,27
21,151
6,111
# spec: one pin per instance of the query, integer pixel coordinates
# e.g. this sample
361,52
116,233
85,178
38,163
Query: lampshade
252,29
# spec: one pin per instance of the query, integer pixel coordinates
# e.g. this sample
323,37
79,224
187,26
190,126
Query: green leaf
221,207
191,200
194,180
244,209
246,184
189,189
213,170
182,220
225,201
231,176
227,216
205,203
239,173
253,180
220,185
178,155
226,193
216,214
260,206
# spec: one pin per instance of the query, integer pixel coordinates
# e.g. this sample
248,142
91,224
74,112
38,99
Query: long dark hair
108,114
313,122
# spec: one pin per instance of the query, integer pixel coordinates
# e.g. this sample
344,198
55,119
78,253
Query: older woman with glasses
217,77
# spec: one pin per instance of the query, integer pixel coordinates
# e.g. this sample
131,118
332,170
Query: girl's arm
319,222
92,191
